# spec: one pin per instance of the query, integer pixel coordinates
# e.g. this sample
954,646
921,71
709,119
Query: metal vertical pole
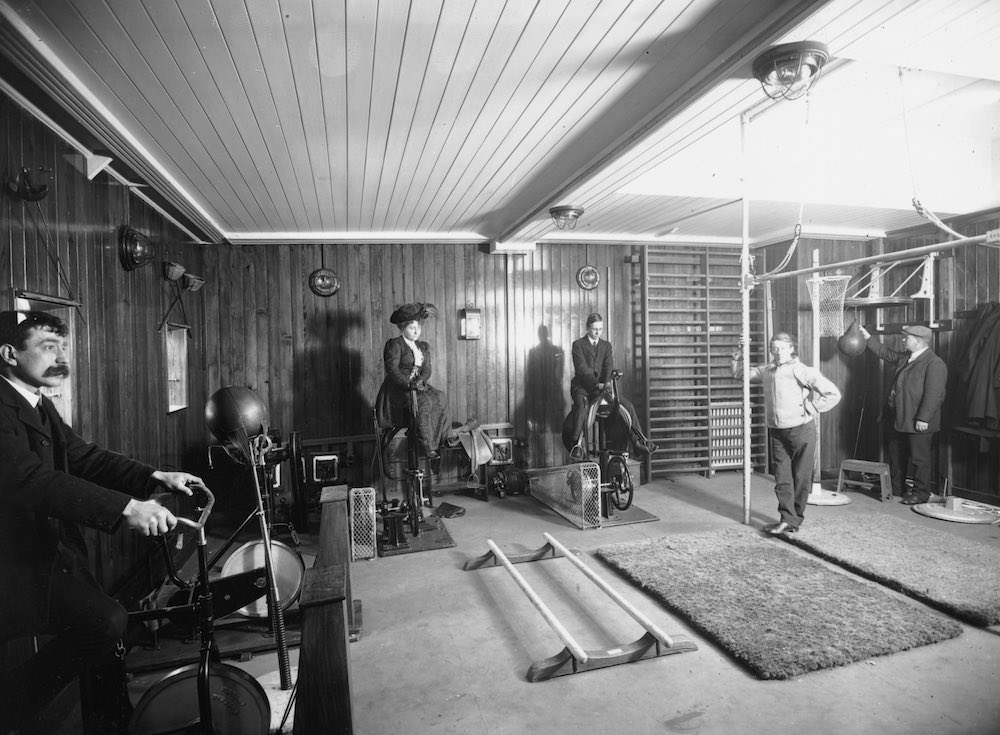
817,321
746,284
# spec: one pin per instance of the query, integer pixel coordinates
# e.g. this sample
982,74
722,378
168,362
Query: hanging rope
804,144
41,228
917,205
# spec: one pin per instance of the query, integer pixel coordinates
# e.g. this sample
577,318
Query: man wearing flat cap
912,409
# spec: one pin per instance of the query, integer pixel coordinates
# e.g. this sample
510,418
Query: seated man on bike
593,364
54,484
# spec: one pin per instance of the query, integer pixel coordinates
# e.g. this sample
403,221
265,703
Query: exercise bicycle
409,510
209,696
609,417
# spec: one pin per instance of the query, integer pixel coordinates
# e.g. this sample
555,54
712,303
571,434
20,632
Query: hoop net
827,296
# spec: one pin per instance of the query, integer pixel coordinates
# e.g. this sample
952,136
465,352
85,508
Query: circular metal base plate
960,514
818,496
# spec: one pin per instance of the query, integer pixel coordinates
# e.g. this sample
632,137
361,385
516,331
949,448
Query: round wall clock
588,277
324,282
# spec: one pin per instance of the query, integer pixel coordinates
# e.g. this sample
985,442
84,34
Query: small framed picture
503,451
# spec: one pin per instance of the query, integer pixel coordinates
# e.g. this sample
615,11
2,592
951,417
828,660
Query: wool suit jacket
590,366
919,386
51,482
390,404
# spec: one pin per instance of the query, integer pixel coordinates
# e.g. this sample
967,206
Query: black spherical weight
233,410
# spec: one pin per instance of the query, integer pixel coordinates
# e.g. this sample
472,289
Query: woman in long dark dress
407,362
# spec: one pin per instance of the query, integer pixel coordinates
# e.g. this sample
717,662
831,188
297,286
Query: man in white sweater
794,396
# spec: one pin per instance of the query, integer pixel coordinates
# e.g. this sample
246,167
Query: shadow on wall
545,402
330,380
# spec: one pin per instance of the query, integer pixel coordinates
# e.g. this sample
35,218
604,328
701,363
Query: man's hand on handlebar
178,482
148,517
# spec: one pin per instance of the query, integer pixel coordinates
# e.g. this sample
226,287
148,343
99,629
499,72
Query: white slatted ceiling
437,116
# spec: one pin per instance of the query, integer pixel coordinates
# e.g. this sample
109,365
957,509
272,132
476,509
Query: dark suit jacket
51,480
920,387
390,404
590,367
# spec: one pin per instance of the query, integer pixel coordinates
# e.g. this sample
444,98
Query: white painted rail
550,618
625,605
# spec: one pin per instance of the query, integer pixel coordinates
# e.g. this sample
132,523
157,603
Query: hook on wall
21,188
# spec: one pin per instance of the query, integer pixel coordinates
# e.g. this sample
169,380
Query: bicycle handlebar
206,509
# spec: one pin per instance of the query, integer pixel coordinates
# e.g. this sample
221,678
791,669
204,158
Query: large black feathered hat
412,312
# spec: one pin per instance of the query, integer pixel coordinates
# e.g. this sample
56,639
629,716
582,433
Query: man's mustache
57,370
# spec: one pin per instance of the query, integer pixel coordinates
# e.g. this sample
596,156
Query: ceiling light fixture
565,216
787,71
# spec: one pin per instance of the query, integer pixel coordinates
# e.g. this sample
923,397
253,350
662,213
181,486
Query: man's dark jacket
590,366
51,482
919,385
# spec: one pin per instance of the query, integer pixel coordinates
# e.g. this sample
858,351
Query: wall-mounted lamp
471,325
134,249
789,70
565,216
191,282
173,271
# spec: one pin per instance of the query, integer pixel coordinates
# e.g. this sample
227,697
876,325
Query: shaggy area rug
953,574
776,611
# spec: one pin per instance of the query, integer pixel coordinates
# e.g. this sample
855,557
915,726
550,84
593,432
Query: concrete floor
446,651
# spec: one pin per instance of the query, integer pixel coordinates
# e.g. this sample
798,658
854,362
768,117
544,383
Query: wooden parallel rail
573,658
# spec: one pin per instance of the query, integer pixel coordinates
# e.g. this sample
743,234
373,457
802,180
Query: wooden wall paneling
32,151
522,270
538,394
345,412
299,273
326,360
495,322
310,260
559,305
374,317
277,322
478,368
8,164
342,414
210,324
485,367
263,297
239,300
363,360
366,363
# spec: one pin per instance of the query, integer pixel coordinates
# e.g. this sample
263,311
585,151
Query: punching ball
852,343
234,415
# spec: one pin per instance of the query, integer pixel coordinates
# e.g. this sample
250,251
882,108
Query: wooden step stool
872,468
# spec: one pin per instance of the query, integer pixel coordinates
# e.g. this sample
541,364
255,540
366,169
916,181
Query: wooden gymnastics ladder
573,658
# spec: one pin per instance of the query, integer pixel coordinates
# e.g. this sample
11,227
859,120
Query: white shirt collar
918,353
30,396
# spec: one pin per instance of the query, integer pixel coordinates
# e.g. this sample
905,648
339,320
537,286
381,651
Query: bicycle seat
603,409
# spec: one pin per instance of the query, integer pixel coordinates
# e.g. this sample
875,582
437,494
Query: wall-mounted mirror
62,396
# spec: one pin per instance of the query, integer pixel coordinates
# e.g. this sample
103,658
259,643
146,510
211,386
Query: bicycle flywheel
239,704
